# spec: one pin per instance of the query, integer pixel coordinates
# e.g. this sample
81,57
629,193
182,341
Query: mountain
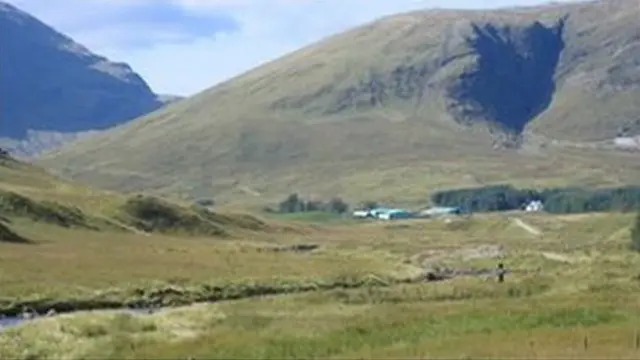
169,99
404,104
50,84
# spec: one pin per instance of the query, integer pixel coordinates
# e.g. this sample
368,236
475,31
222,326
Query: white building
534,206
362,214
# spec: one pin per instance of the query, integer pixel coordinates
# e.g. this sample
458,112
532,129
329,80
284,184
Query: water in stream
12,321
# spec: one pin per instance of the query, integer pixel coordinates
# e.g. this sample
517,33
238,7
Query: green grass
355,339
578,280
73,268
313,217
337,289
29,192
315,325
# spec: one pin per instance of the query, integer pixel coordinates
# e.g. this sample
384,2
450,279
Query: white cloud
177,61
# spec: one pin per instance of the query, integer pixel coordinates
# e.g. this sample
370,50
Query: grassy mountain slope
395,107
32,194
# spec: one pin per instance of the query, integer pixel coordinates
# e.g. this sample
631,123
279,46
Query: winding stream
441,274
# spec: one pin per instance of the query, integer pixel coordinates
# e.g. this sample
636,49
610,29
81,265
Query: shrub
151,214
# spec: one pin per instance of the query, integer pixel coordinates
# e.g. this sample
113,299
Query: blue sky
184,46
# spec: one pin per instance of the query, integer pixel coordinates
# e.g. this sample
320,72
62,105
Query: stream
437,275
7,322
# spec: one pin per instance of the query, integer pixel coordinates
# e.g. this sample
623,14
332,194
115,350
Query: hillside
51,84
33,195
396,107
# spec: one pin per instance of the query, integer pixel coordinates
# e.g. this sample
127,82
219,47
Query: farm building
440,211
383,214
379,211
534,206
395,214
362,214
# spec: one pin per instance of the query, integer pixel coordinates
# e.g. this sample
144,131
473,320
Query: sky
182,47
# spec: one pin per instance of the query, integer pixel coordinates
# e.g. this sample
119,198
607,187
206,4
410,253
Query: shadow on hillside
513,81
9,236
13,204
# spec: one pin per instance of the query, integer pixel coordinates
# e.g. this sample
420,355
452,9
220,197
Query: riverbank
173,296
534,314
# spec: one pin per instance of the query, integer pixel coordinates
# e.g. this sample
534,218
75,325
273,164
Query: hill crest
423,88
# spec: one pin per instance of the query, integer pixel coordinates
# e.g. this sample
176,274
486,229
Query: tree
336,205
291,204
313,205
635,234
370,205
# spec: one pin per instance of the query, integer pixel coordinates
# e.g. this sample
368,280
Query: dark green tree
369,205
291,204
337,205
558,200
313,205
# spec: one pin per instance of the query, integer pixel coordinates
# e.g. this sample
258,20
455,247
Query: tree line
564,200
295,204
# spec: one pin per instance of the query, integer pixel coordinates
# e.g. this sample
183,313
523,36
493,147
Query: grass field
572,293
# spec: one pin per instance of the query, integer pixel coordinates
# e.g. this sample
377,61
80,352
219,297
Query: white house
362,214
534,206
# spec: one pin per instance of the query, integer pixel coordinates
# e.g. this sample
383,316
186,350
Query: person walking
501,272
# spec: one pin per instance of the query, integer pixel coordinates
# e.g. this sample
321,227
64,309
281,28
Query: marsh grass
585,287
71,268
317,326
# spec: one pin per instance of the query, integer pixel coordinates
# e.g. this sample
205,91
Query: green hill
396,107
30,193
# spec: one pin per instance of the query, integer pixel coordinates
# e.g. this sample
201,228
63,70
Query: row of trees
556,200
295,204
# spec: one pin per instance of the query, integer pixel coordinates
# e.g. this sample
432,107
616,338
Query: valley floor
571,291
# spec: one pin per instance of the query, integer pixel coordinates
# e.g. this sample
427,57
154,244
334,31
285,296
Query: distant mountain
169,99
412,101
50,84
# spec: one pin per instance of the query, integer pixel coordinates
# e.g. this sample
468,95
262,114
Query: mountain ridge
50,83
423,88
